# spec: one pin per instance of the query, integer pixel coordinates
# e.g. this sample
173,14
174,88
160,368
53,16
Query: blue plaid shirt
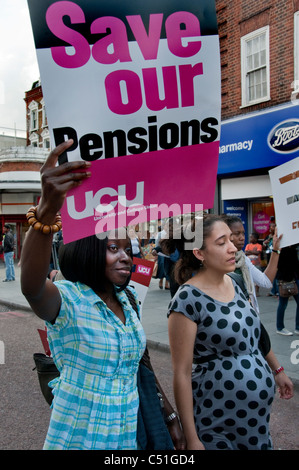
95,398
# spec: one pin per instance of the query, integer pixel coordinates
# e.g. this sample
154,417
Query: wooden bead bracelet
43,228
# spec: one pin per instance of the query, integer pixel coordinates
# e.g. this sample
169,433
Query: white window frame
244,41
46,139
33,110
34,140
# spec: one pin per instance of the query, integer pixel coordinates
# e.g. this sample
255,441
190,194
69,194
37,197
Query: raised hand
58,180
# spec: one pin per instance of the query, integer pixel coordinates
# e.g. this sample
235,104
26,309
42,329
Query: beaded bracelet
280,369
43,228
171,417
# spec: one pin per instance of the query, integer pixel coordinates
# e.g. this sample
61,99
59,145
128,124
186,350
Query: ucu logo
143,270
284,138
94,205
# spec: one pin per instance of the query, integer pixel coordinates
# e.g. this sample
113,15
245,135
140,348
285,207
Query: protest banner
137,87
285,187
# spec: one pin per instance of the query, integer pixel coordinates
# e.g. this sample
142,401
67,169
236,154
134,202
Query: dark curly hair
188,264
231,219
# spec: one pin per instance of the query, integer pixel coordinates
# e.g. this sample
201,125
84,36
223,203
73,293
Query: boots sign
136,85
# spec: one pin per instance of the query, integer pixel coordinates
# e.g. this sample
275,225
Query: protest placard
137,86
140,278
285,187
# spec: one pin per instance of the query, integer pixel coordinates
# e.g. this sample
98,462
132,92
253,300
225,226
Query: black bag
46,371
264,341
152,432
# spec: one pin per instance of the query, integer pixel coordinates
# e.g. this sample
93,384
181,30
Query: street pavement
284,418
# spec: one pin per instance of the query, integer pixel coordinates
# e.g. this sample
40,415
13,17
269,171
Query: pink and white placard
137,86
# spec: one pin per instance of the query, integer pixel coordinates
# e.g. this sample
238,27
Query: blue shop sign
238,208
265,139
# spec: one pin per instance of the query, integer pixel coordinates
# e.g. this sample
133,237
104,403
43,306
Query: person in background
267,246
157,251
250,274
94,333
288,270
223,385
8,250
135,242
253,250
268,242
170,248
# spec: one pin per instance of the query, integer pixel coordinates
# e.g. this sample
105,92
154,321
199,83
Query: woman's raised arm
41,293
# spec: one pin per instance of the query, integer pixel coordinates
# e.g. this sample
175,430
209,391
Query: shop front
19,189
249,147
13,212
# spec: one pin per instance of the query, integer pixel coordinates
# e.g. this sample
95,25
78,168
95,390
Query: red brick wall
20,166
35,94
239,17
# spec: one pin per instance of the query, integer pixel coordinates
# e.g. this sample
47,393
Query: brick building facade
259,46
36,118
236,19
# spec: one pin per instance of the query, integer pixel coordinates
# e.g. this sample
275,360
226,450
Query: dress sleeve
68,296
187,301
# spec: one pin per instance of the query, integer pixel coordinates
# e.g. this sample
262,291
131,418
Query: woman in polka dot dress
223,385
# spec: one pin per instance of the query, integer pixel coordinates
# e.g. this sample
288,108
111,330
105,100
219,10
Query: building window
255,67
33,115
34,139
46,139
34,119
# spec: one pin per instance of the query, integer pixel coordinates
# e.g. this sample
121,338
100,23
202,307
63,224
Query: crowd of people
224,381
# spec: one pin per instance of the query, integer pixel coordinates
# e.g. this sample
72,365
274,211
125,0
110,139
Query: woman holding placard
94,333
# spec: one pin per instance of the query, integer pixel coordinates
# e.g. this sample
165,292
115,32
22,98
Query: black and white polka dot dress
232,393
